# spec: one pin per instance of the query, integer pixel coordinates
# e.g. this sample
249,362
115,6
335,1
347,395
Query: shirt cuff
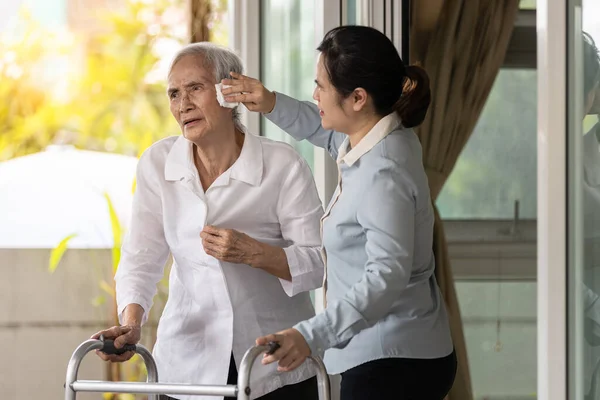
296,285
317,333
132,299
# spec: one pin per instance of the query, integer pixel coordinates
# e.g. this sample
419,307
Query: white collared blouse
216,308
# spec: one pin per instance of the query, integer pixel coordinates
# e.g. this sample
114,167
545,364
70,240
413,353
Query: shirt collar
381,129
247,168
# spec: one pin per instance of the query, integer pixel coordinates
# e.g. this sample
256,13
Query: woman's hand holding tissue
250,92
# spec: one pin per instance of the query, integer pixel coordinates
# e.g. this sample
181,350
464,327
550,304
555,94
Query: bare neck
362,128
213,159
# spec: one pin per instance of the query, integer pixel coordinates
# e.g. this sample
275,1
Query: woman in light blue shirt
384,327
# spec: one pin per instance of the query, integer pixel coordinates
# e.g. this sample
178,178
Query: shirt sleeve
301,120
144,252
300,211
387,216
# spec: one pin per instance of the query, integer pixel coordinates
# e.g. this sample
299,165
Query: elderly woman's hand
292,352
230,245
122,335
250,92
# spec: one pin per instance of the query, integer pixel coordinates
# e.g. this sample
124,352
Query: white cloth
215,307
221,98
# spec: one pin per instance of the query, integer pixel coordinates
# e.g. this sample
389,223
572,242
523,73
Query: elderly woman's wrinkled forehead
195,64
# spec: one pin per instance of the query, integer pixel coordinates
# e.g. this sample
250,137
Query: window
492,188
499,322
288,58
527,5
356,12
498,165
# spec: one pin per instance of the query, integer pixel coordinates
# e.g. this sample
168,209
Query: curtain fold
462,45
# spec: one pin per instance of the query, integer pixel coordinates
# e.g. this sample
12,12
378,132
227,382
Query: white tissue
221,99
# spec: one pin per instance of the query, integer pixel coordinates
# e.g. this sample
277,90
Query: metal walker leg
242,390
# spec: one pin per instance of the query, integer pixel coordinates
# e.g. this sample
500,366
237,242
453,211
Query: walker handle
109,347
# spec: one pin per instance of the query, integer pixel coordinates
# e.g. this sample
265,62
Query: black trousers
400,379
306,390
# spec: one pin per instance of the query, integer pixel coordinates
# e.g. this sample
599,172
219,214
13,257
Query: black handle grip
273,347
109,347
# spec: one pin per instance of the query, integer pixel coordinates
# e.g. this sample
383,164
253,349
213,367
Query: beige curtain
461,44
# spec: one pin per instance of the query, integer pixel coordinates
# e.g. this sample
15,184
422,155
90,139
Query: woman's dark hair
591,69
360,56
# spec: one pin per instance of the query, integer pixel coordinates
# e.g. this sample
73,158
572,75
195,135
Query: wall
44,317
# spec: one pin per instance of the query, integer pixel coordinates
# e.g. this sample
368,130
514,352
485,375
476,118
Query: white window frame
244,38
384,15
552,200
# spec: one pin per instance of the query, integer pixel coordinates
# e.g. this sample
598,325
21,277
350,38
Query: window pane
527,5
354,10
288,58
583,244
508,371
498,165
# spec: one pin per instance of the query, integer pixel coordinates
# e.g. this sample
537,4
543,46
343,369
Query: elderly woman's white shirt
216,307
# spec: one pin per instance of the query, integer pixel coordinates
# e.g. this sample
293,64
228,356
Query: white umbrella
47,196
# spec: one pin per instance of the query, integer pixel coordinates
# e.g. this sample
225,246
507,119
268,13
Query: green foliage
29,117
100,89
57,253
117,233
105,97
117,107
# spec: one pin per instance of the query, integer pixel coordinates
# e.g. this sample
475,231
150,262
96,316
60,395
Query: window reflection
288,58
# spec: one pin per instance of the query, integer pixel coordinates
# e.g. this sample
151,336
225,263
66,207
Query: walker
152,387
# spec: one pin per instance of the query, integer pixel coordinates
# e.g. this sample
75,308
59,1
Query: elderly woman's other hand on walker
128,333
250,92
293,349
122,335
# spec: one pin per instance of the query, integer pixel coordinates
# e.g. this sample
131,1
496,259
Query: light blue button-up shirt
382,296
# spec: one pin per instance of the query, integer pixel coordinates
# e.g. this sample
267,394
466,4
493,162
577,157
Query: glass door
583,183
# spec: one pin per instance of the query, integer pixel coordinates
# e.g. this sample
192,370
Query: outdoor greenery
100,89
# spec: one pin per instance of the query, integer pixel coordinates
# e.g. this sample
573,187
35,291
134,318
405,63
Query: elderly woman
240,215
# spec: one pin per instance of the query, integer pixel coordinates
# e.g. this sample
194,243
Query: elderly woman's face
193,100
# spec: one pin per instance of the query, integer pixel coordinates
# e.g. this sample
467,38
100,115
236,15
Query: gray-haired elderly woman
240,215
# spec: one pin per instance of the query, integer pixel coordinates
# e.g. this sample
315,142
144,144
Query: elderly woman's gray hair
218,58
